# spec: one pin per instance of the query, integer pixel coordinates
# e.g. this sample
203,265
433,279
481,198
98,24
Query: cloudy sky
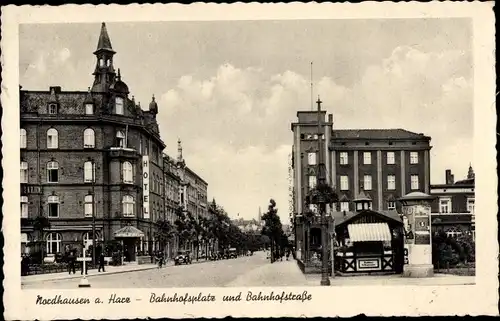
230,90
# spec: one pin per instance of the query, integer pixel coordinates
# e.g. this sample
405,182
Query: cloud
239,119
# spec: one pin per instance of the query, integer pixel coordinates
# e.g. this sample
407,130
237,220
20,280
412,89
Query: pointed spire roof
104,41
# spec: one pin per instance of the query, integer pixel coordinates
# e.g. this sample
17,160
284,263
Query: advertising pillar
417,226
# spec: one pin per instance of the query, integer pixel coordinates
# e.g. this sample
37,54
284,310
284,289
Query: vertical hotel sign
145,186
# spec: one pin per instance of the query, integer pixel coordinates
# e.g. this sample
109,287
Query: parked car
232,253
182,257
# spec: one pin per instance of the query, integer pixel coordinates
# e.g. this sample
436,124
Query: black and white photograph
278,156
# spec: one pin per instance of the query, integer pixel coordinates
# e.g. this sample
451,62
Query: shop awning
366,232
129,231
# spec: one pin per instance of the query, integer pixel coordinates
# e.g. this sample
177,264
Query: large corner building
93,160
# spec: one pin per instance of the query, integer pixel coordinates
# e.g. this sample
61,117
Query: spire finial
153,97
104,42
88,89
119,76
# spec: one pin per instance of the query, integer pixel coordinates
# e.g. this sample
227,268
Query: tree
273,229
183,227
40,225
166,231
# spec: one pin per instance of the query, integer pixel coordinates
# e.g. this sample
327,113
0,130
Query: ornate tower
104,73
470,173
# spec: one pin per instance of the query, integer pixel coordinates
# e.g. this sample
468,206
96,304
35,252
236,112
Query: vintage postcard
263,160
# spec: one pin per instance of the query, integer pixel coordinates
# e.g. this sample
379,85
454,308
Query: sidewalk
91,273
394,280
280,273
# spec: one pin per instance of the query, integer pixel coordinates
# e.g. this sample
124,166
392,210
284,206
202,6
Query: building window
391,205
413,157
88,138
52,138
128,177
24,206
453,232
52,109
53,206
312,182
54,241
344,206
444,205
101,62
24,172
119,106
52,172
88,172
311,158
89,109
344,183
343,158
367,158
23,138
88,206
390,158
414,182
367,182
470,205
128,204
391,182
120,139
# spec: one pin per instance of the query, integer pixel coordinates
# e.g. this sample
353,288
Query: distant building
453,208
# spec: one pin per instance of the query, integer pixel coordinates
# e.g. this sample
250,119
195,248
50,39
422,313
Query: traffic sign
80,259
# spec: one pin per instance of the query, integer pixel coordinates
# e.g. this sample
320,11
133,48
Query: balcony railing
122,152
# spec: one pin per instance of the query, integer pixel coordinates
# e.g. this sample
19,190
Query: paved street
246,271
206,274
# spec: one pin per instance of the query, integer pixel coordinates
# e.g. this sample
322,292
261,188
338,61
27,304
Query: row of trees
273,229
207,234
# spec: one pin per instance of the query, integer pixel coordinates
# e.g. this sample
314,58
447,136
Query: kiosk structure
417,235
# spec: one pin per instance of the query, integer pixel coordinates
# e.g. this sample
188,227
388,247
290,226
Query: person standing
102,261
71,262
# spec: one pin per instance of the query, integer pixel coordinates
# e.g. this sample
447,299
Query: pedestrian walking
102,261
71,262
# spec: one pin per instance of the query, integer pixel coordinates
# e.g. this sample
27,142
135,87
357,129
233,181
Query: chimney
449,177
330,118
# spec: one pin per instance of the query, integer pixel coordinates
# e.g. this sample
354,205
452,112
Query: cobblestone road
207,274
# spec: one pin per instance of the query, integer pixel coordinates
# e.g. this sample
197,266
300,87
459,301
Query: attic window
302,136
414,143
367,143
53,109
343,144
390,143
89,109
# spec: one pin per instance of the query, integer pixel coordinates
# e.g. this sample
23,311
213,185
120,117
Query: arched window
53,203
54,241
88,240
108,62
127,172
119,105
23,138
89,109
52,138
120,139
453,232
88,172
88,138
128,204
52,172
101,62
89,208
24,172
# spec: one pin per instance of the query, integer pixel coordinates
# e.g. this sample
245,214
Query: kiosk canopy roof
369,232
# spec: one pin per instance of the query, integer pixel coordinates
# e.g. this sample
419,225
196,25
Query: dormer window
53,109
119,105
89,109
